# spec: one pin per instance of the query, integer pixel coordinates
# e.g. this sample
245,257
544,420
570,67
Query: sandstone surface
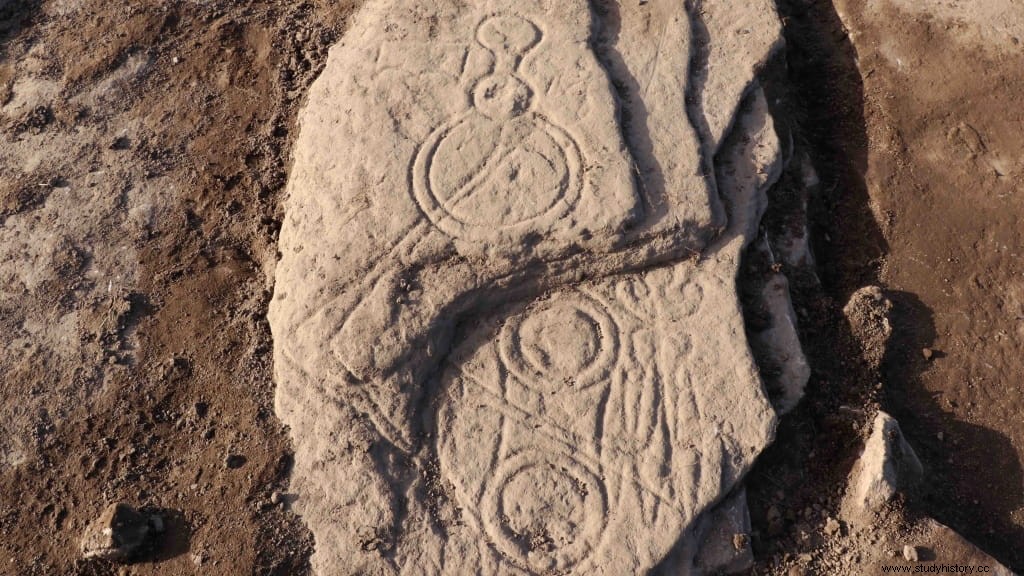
726,547
780,345
507,333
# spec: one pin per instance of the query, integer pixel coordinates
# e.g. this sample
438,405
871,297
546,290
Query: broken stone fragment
833,527
726,548
779,345
117,535
793,244
887,465
910,553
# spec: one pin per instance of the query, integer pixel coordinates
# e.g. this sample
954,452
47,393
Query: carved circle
479,177
508,35
569,339
502,97
546,512
634,294
692,298
501,169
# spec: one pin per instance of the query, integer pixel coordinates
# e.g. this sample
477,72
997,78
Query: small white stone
910,553
832,527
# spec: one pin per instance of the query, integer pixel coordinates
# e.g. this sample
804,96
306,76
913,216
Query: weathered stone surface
781,344
887,465
736,39
589,430
646,49
455,162
580,435
725,548
117,535
473,152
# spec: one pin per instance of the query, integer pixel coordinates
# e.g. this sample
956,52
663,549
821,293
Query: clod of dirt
887,465
121,143
868,314
118,534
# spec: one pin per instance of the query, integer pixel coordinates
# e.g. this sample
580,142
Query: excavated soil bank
943,86
908,199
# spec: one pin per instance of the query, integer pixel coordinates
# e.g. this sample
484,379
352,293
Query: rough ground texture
452,159
143,147
943,175
899,200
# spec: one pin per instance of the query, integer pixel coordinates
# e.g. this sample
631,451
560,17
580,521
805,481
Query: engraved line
358,401
513,412
501,153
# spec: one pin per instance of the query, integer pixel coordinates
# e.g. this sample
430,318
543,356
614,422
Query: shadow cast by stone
817,96
961,459
174,540
815,450
15,15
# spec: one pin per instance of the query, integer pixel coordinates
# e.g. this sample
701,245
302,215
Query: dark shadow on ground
830,120
817,95
817,443
817,100
175,538
964,463
15,15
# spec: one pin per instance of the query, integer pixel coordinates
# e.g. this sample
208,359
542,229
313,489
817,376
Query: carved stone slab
507,338
595,425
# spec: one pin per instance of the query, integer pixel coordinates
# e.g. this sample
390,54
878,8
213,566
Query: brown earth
945,128
183,112
915,127
143,152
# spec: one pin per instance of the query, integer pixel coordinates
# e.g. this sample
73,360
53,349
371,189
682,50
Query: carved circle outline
435,210
510,347
595,504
